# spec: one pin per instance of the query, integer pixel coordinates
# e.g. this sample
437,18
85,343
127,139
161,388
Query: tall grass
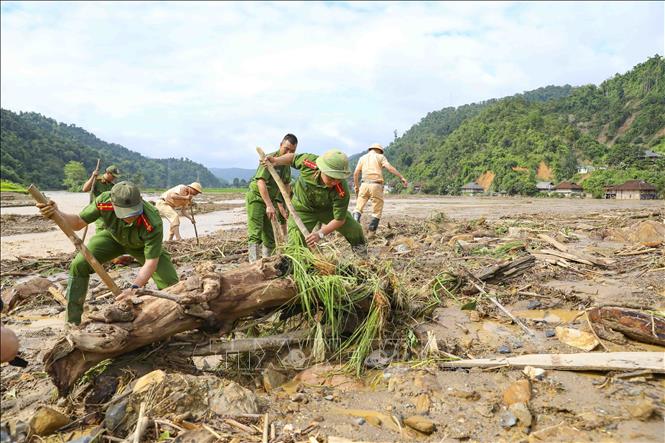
330,293
8,186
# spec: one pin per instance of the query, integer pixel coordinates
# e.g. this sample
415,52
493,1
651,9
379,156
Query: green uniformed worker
264,202
96,185
321,195
133,227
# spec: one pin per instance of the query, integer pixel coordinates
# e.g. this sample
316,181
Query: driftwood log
506,270
638,325
208,299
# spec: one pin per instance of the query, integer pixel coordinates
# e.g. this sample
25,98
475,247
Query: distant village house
632,190
650,155
472,188
544,186
568,189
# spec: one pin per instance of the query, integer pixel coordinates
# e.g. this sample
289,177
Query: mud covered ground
404,377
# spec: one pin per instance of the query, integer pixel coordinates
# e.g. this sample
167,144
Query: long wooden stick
92,197
583,361
501,307
78,243
196,232
285,194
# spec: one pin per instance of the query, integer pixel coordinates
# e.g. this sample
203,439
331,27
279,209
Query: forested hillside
36,148
510,143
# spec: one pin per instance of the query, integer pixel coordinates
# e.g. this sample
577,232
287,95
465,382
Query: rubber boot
360,250
356,216
373,225
253,252
77,289
266,251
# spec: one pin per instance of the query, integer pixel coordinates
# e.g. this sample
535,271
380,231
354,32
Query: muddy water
54,242
46,243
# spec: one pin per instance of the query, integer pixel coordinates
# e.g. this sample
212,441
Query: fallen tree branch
245,344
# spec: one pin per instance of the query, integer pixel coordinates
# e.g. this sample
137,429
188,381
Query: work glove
48,210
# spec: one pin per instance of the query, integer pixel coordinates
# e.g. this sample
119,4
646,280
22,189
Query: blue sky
211,81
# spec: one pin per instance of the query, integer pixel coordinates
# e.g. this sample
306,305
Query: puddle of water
549,315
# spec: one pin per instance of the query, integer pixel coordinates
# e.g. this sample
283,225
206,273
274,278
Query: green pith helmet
334,164
126,199
113,170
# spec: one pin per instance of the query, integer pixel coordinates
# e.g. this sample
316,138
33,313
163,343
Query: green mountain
36,148
510,143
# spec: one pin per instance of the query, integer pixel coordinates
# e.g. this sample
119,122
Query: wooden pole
78,243
285,194
92,197
196,232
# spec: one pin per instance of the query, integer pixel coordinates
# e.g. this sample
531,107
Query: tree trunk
638,325
207,299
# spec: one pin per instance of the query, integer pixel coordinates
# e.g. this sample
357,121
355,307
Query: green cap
113,169
126,199
334,164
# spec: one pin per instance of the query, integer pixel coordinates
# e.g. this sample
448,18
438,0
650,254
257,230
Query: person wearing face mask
133,227
321,195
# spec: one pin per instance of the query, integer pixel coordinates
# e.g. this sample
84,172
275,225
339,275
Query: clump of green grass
329,293
9,186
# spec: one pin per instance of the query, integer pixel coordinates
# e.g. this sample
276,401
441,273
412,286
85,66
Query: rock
504,349
208,363
234,400
576,338
195,436
295,359
273,379
550,333
46,421
420,423
327,375
508,420
360,421
643,409
329,398
377,359
647,233
518,392
534,304
148,381
522,413
115,414
534,373
557,433
299,398
422,403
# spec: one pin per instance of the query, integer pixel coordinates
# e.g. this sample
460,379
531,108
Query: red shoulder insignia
107,206
310,164
340,190
143,221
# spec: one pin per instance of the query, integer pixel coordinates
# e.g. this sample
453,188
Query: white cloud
211,81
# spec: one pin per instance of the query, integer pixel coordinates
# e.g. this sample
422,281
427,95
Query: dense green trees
35,149
608,125
75,176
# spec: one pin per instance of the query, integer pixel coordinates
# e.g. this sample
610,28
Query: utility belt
373,182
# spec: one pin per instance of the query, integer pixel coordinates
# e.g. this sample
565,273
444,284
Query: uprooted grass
334,293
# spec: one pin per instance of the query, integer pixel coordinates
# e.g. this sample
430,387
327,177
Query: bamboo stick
78,243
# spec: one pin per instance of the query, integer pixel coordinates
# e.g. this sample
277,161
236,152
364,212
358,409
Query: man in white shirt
371,166
172,203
